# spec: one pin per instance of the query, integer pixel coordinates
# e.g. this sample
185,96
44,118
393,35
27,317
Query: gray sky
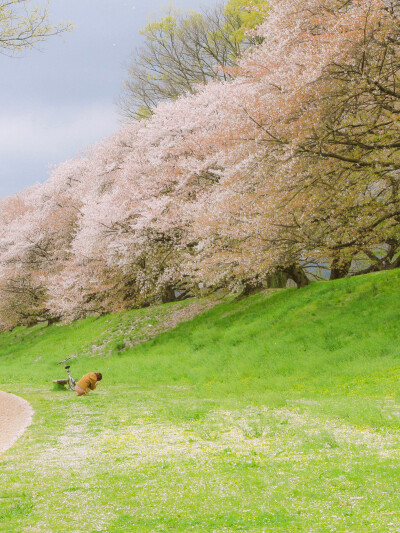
60,100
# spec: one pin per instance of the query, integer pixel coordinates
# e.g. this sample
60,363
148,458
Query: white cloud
54,134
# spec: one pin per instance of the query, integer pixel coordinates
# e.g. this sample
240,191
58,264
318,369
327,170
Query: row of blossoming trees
294,162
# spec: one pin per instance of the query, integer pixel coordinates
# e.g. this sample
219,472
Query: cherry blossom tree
299,192
294,162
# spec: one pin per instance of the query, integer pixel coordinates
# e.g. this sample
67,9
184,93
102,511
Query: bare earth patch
15,417
145,328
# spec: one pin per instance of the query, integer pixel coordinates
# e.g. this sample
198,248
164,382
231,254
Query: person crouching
87,383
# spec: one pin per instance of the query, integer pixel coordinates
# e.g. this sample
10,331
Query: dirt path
15,417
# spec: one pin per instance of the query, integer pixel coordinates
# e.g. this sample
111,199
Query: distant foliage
23,26
293,162
183,51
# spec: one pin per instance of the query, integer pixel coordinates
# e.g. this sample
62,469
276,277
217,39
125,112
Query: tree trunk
297,274
168,294
249,288
339,269
277,280
53,320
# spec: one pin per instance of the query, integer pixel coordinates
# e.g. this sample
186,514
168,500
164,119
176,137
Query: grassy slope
276,413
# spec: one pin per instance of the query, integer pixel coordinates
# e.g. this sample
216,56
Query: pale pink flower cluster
197,193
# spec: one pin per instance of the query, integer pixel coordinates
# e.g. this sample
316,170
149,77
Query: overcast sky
60,100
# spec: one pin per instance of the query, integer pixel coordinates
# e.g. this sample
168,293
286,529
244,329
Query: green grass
279,412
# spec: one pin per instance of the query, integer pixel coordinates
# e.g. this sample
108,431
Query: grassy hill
279,412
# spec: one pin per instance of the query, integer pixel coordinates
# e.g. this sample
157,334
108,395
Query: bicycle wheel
71,383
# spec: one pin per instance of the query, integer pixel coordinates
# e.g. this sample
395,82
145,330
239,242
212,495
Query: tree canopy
22,26
185,50
291,162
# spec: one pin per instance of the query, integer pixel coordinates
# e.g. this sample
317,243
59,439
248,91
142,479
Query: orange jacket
88,382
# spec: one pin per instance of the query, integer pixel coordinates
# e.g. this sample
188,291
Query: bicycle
70,381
